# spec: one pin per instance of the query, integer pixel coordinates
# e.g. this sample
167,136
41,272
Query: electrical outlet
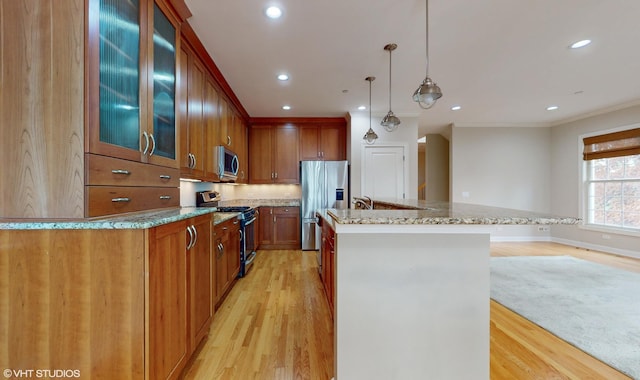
543,228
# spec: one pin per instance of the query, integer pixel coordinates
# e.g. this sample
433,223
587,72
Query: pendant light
428,92
370,137
390,122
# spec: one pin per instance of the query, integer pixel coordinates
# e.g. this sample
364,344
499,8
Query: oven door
249,245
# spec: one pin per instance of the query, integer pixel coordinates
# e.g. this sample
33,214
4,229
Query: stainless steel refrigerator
325,184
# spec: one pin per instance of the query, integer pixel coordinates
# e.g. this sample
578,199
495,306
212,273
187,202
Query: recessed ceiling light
362,108
579,44
286,107
273,12
552,108
455,108
283,77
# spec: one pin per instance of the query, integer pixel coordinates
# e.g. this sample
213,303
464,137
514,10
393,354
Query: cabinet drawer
109,171
293,210
108,200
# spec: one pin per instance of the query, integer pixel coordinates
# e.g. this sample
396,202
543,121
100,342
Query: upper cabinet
322,142
273,154
131,69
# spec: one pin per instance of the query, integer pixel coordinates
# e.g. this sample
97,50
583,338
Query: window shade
617,144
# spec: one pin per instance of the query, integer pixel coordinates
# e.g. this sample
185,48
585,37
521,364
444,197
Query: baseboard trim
596,247
512,239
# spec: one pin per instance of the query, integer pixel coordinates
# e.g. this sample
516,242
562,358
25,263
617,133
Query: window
612,180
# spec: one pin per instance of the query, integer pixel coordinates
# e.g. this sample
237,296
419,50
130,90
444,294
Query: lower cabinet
226,248
168,345
180,291
124,303
201,275
328,259
279,227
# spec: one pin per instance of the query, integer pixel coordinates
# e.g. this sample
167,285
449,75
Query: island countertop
437,213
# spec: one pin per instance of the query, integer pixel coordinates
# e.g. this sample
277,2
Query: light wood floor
275,324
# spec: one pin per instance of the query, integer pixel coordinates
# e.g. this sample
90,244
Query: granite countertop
433,213
138,220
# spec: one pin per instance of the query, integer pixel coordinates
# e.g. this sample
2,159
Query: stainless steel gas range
247,218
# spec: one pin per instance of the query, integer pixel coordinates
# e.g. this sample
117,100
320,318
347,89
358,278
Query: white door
383,172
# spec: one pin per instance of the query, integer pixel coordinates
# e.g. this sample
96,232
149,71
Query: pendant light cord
390,79
427,36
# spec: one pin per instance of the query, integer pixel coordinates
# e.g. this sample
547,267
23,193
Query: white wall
503,167
407,133
437,168
565,182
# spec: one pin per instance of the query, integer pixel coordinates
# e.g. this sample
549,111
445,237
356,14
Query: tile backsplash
232,191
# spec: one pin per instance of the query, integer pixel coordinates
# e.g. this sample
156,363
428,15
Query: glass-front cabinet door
131,73
164,85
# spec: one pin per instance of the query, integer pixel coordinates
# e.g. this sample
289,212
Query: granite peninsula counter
411,288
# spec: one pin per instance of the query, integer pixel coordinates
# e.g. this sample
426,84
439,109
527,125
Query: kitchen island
411,289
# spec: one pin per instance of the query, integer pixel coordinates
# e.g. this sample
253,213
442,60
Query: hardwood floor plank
275,324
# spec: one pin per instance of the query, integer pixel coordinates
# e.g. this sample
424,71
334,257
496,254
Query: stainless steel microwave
225,163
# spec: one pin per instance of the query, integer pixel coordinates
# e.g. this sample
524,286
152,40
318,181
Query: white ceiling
503,61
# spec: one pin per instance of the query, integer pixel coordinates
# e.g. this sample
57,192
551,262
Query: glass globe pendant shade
427,94
370,137
390,122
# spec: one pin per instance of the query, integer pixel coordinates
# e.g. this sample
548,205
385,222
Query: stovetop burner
234,208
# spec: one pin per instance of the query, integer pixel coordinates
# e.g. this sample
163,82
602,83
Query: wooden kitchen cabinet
279,227
273,154
168,337
130,116
227,256
201,278
328,261
124,303
192,119
319,142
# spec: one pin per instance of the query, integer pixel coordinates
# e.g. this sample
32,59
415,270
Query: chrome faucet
362,203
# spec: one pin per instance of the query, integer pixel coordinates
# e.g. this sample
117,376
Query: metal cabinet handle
146,142
276,175
120,171
240,235
195,235
121,199
164,176
153,148
195,162
164,197
190,232
229,140
271,175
